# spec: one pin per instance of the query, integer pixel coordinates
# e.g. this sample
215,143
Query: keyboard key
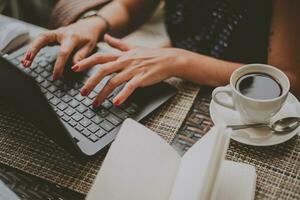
81,108
93,128
70,111
59,113
79,128
93,138
72,92
87,102
45,84
38,70
79,97
100,133
102,112
72,123
33,74
107,125
97,119
85,122
34,65
62,106
74,103
113,119
59,93
54,101
89,113
52,88
86,132
44,91
118,112
66,118
43,63
39,79
49,96
45,74
106,104
49,68
78,85
66,98
77,117
92,95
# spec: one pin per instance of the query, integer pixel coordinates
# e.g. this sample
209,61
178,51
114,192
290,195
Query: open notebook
142,166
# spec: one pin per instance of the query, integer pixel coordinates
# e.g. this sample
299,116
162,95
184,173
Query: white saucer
256,137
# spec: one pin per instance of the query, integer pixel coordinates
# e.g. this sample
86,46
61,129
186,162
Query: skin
140,66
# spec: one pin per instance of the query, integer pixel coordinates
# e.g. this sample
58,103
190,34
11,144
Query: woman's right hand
80,38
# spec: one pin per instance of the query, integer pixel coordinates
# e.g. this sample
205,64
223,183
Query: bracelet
95,13
107,24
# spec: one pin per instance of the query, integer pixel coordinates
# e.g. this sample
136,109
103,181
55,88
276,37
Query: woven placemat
277,167
24,147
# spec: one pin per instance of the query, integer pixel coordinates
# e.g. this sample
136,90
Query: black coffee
259,86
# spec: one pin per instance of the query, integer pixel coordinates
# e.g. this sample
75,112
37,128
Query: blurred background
33,11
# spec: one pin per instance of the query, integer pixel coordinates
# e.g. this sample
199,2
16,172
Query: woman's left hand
135,66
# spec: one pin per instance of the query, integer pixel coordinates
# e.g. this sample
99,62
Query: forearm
206,70
285,41
124,15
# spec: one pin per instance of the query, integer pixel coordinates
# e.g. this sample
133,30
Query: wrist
94,25
184,62
99,21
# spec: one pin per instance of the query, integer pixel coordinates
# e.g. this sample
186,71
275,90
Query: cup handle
227,90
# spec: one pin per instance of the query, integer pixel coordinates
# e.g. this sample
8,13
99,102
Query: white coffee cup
253,110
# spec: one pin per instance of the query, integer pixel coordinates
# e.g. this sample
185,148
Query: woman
210,38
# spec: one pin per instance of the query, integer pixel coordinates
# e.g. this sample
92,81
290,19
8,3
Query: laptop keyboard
70,106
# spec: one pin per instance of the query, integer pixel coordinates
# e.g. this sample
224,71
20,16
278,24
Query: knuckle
63,52
102,71
43,35
97,56
112,83
131,86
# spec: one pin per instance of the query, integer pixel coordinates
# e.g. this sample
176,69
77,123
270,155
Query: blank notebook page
139,166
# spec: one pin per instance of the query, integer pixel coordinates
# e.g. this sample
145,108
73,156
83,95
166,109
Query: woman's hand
80,37
135,66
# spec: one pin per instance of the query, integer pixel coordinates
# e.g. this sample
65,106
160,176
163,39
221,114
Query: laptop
58,109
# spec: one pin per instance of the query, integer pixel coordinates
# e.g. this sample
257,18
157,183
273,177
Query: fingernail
75,68
27,55
26,63
83,92
54,77
95,104
116,102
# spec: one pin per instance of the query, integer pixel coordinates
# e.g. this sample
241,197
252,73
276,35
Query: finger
94,60
83,53
65,51
44,39
116,43
111,85
103,71
128,89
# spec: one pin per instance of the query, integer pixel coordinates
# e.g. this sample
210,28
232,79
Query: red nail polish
75,68
23,63
83,92
95,104
116,102
26,63
54,77
28,56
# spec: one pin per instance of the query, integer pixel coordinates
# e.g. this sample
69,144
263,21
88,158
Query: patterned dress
234,30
